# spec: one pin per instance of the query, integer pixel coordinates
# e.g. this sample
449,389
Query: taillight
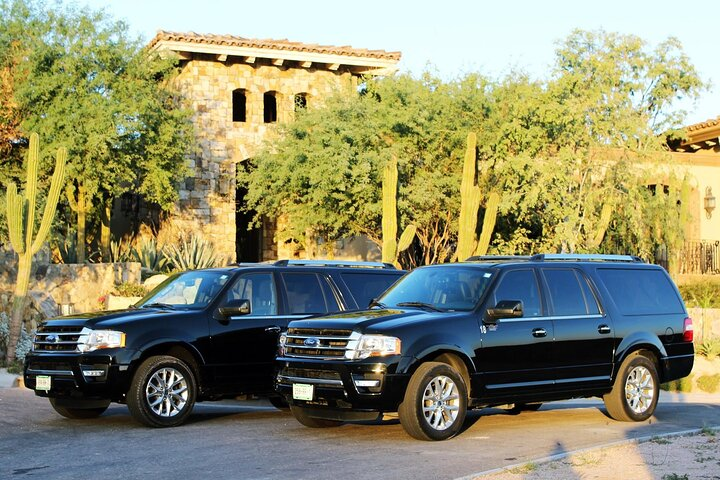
688,330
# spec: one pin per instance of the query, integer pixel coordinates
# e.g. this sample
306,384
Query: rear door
584,336
516,354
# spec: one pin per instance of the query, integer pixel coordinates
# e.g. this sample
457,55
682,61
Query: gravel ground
667,458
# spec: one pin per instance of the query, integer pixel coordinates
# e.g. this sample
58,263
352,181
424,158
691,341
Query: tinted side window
520,285
567,294
641,292
305,293
259,288
366,286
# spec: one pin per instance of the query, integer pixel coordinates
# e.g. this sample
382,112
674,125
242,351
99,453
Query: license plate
43,382
302,391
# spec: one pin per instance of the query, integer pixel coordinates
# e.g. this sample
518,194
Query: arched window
301,101
270,107
239,105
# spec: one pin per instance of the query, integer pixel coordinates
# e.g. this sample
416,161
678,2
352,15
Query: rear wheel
301,415
162,392
435,403
76,410
635,391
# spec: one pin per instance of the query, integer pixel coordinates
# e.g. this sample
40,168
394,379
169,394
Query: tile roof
709,123
235,41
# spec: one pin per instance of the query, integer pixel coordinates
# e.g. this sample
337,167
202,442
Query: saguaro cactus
391,247
21,226
603,223
470,201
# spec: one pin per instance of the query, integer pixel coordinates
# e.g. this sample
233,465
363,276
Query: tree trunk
105,230
81,213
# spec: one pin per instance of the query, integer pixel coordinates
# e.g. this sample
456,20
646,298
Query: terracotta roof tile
709,123
235,41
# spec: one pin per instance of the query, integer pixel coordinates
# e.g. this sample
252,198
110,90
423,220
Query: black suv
200,335
494,331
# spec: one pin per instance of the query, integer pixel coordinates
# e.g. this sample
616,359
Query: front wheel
302,416
77,411
635,391
162,392
435,403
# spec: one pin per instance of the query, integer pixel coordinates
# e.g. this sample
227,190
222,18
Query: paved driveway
253,440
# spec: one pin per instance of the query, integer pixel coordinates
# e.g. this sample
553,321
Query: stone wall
52,285
207,200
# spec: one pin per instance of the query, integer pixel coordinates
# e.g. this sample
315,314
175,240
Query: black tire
635,391
302,416
524,407
162,392
441,387
78,412
279,402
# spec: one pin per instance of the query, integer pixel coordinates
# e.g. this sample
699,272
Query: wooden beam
333,66
695,146
305,64
248,59
185,55
277,61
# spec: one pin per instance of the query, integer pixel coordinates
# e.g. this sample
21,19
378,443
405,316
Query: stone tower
240,89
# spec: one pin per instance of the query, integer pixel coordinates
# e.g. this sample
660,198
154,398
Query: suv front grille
318,342
321,378
57,339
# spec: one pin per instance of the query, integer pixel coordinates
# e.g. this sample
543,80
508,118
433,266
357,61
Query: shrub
24,342
705,294
709,348
681,385
709,383
130,290
192,254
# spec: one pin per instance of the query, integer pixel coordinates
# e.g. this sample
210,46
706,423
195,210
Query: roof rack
497,258
334,263
585,257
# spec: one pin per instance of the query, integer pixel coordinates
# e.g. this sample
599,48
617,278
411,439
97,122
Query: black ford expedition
495,331
200,335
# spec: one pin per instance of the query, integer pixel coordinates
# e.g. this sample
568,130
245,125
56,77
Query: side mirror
504,309
234,308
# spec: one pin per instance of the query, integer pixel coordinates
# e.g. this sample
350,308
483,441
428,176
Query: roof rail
585,257
497,258
334,263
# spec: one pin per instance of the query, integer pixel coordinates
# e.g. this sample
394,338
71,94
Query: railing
700,258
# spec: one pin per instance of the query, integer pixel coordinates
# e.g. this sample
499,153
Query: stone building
240,89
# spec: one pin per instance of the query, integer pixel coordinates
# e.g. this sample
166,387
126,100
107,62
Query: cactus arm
406,238
31,187
52,200
389,218
470,197
15,214
603,224
489,219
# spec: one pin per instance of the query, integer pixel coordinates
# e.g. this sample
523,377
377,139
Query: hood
373,321
114,318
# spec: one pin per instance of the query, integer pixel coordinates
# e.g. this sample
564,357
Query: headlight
373,346
97,339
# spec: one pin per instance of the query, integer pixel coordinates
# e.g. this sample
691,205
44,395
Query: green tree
86,83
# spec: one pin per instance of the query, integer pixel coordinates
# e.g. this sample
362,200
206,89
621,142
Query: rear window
366,286
641,292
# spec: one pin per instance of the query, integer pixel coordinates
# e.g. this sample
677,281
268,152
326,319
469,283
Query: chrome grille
318,343
58,338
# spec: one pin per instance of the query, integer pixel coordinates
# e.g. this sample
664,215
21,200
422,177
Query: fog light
367,383
93,373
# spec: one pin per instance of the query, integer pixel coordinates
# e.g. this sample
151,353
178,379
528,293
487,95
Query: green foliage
128,289
709,348
391,246
150,255
65,249
709,383
703,294
191,254
470,198
24,343
121,251
683,385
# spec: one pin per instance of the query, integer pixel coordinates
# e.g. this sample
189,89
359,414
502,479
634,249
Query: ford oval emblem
311,342
52,339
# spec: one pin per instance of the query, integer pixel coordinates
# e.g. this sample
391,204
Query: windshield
191,290
442,287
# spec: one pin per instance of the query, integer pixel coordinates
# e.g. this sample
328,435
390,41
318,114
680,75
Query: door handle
603,329
273,329
539,332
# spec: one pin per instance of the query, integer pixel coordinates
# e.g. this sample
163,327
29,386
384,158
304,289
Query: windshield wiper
375,303
426,306
159,305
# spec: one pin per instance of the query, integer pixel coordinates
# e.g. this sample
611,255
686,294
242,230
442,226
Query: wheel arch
181,350
450,355
646,345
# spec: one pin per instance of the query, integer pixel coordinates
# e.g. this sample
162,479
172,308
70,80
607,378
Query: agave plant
709,348
192,253
150,255
120,251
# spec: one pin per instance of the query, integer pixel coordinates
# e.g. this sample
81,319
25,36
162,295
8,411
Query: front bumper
89,375
343,390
